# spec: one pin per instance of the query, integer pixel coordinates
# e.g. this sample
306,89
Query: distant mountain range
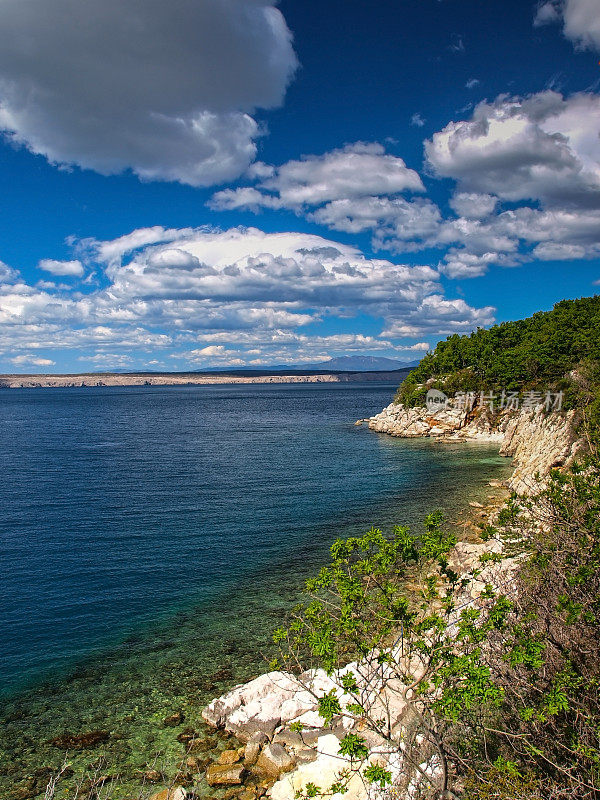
361,364
338,364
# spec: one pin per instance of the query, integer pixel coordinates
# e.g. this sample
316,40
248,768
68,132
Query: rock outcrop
537,440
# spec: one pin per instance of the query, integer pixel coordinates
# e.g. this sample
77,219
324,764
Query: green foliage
354,747
543,650
329,707
533,353
374,773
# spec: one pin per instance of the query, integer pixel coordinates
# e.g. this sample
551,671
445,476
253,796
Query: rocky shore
535,439
285,745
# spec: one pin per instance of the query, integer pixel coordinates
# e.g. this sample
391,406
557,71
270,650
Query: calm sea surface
151,538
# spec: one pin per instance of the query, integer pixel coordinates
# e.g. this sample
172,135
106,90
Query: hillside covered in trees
534,353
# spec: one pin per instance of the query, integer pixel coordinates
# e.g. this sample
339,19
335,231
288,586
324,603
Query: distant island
94,379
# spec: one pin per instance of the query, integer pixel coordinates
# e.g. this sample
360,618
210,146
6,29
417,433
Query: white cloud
417,120
557,251
108,361
439,316
419,347
472,83
215,288
394,219
465,264
357,170
473,205
117,84
71,268
581,20
543,147
546,13
20,361
542,150
7,274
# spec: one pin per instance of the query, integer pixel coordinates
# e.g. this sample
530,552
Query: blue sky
235,182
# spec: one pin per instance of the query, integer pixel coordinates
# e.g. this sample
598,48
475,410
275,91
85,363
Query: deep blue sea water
150,535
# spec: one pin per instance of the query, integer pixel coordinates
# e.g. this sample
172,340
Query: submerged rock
174,719
82,741
177,793
229,757
224,774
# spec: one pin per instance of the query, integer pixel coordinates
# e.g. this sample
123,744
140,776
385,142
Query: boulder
229,757
274,760
177,793
252,749
292,740
224,774
259,706
321,772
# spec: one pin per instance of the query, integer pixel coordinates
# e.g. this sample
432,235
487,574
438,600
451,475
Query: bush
533,353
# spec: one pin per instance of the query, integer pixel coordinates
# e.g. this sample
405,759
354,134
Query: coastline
195,657
87,380
264,713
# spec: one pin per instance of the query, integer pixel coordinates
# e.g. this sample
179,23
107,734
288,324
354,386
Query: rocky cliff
536,440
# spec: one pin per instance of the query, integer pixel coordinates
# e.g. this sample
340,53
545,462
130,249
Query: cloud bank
236,296
166,90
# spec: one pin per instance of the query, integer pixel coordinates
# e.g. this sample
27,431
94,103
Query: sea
151,539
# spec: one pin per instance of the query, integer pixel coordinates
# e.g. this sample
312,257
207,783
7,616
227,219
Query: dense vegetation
502,697
533,353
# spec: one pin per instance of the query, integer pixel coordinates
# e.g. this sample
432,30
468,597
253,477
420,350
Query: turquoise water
152,538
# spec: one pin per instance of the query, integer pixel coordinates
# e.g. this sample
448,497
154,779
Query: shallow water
153,537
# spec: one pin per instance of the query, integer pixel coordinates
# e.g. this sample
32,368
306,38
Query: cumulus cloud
393,218
215,289
23,360
7,274
540,153
352,189
165,91
581,20
437,316
473,205
357,170
543,147
71,268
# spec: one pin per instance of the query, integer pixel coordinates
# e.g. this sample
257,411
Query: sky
230,183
